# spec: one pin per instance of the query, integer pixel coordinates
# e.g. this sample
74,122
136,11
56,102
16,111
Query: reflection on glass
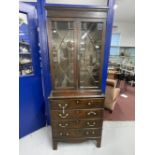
90,54
25,59
62,51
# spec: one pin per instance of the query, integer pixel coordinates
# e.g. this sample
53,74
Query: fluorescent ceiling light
97,46
54,31
115,6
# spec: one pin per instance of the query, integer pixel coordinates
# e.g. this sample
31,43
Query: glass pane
114,51
115,39
25,58
63,48
90,54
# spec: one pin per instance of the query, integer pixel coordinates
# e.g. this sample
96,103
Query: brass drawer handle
63,126
91,124
61,134
89,103
77,102
63,115
63,107
67,134
91,113
87,132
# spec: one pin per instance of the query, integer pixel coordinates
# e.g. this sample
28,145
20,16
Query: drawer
77,103
76,114
96,123
74,133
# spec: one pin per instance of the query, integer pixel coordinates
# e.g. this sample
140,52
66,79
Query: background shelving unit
25,59
125,60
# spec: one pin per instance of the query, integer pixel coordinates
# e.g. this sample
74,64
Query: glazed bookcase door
62,53
90,54
76,53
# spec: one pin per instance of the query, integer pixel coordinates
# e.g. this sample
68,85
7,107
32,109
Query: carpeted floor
124,108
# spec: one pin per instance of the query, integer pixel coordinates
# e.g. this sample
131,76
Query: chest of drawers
76,119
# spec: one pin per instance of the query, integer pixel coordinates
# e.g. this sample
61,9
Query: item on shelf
24,50
24,61
26,71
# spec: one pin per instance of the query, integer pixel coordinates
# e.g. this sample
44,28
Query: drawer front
77,124
73,133
76,104
76,114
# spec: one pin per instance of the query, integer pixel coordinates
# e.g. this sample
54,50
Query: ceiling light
54,31
115,6
97,47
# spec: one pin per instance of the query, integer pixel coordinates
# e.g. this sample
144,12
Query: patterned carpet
124,108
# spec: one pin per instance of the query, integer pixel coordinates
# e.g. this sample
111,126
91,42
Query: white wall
127,31
84,2
28,0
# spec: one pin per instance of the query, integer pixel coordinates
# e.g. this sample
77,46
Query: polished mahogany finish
77,104
76,120
76,49
77,124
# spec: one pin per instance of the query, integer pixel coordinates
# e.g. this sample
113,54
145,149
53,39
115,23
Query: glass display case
25,56
76,50
76,38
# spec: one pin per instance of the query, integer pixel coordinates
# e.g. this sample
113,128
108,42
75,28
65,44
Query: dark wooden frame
77,94
77,15
73,12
